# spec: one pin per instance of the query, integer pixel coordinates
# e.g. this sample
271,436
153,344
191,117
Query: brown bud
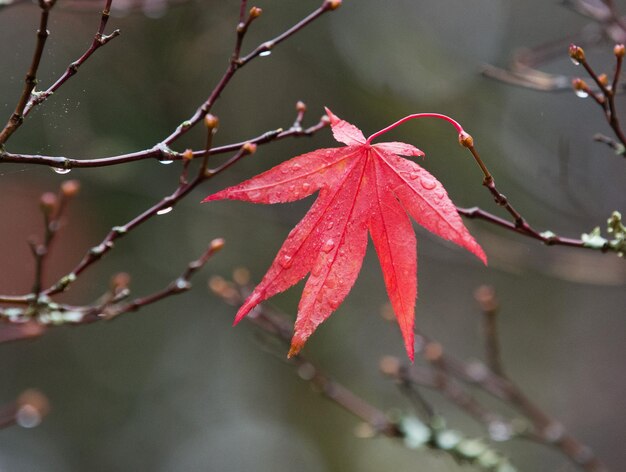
579,84
255,12
433,352
120,281
250,148
576,53
300,106
217,284
241,276
211,121
603,79
70,188
619,50
332,4
188,154
485,295
389,365
35,398
466,140
217,244
48,202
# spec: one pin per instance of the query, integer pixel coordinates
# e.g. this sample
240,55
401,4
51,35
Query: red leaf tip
296,346
331,116
252,301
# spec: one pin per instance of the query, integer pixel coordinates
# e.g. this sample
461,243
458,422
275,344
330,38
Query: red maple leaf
362,187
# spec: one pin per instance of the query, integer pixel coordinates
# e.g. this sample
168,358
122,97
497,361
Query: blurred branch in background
524,70
451,377
607,24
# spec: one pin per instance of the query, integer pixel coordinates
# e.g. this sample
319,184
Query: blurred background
174,387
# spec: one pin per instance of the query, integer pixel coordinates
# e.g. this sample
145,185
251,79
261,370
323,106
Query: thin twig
519,223
99,40
331,389
30,81
157,152
180,285
485,296
546,430
236,64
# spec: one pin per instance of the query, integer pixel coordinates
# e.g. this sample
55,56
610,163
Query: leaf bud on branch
576,53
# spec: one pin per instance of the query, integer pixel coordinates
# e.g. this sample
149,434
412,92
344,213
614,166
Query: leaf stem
454,123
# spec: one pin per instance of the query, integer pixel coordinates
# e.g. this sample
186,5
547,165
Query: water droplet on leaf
286,261
428,183
328,245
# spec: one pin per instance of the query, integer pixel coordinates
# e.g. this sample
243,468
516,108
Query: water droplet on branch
164,211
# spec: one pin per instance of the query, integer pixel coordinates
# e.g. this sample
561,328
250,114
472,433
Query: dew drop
265,53
427,183
28,416
328,245
413,175
306,186
330,225
581,93
500,431
182,284
164,211
61,171
574,61
166,161
306,371
333,303
286,261
440,193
